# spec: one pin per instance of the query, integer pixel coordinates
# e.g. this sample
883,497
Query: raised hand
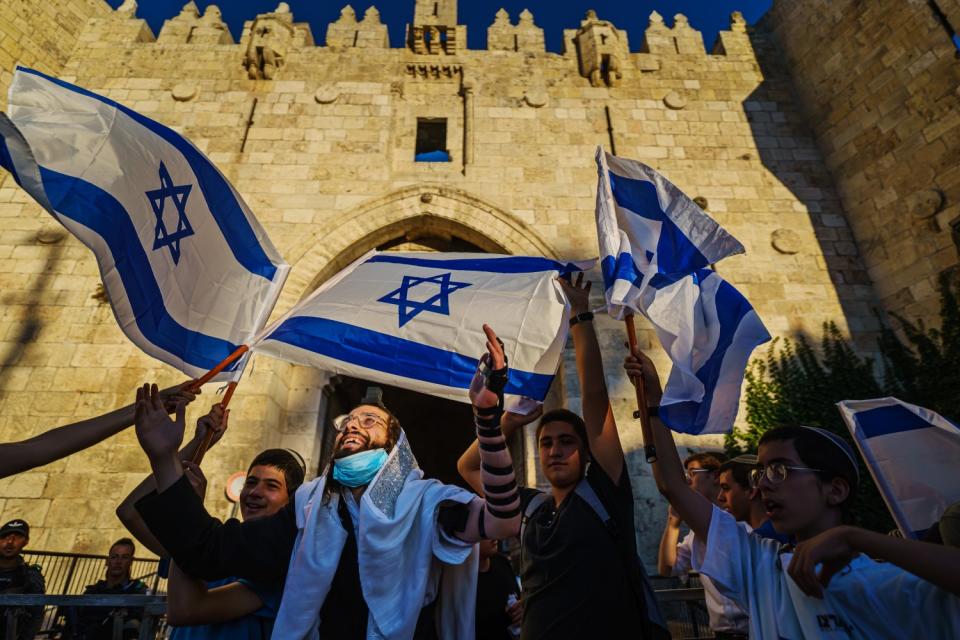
159,436
578,294
195,475
639,367
178,394
216,420
831,550
494,359
510,421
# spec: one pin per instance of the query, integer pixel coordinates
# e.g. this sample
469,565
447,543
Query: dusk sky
708,16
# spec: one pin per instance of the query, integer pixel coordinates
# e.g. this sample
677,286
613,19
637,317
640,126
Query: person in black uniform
96,623
495,584
16,576
579,568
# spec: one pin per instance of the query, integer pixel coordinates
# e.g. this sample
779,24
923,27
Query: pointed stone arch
412,212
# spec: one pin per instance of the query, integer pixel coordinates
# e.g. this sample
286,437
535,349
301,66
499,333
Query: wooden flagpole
642,412
228,394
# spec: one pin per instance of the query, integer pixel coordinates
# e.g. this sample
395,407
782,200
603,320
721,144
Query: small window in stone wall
431,140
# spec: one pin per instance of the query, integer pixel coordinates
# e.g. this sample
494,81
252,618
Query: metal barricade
149,609
70,573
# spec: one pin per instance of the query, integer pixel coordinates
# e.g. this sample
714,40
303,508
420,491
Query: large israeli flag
912,454
655,246
189,272
415,320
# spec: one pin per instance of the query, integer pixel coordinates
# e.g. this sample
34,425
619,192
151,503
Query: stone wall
320,142
878,81
41,35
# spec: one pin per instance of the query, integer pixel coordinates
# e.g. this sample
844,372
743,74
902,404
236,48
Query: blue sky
709,16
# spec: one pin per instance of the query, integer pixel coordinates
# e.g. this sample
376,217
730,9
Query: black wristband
586,316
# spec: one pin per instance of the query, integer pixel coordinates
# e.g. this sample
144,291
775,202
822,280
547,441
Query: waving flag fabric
655,245
415,320
189,272
912,454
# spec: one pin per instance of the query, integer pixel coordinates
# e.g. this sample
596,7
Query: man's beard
340,453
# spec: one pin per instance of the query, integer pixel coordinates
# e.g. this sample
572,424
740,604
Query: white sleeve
684,562
736,561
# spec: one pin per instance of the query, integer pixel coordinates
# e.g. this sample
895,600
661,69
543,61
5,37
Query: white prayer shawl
405,559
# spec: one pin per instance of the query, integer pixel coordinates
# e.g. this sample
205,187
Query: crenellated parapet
525,36
736,41
681,39
120,27
347,31
189,27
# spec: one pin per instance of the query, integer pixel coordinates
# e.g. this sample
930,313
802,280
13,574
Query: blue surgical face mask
359,469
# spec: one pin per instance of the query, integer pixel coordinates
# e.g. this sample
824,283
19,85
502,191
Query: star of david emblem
158,198
438,303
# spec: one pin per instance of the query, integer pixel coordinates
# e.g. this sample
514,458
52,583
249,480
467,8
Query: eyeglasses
775,472
366,421
689,473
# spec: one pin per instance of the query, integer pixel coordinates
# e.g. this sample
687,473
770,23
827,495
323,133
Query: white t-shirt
867,599
724,613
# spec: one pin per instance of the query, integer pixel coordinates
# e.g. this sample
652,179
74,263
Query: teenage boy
579,567
741,499
827,586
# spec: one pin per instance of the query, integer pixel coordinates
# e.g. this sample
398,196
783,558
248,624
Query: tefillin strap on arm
496,467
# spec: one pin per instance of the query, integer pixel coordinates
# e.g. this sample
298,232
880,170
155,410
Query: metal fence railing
70,573
67,574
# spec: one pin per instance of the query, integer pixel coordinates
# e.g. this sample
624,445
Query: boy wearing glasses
826,586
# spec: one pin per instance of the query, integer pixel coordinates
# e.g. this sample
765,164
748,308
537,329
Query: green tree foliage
798,384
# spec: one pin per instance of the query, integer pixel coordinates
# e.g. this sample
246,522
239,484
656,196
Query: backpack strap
535,503
588,495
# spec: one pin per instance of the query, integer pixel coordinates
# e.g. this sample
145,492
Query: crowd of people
372,549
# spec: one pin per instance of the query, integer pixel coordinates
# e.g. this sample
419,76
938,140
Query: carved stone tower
601,48
435,29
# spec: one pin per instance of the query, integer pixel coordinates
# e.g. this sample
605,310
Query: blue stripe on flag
512,264
220,198
883,421
6,161
676,254
623,268
396,356
99,211
691,417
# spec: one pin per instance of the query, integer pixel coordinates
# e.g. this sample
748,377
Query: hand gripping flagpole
205,378
642,412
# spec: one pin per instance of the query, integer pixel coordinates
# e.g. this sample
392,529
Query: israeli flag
189,272
655,247
415,320
912,454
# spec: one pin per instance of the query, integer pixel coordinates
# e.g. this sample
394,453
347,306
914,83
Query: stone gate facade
326,144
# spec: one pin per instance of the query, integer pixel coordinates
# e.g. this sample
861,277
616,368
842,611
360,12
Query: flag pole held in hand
208,436
642,412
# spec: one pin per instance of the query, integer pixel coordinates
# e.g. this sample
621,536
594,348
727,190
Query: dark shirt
493,588
577,581
257,550
23,578
96,623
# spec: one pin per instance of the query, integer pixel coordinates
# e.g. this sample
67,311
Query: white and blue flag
415,320
912,454
189,272
655,247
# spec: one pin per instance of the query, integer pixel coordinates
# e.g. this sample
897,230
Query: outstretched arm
595,402
16,457
667,554
469,463
216,420
692,507
833,549
497,514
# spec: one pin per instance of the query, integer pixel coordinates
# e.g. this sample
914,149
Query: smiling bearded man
369,549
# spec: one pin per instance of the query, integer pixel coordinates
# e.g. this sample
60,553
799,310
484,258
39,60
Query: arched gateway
418,218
